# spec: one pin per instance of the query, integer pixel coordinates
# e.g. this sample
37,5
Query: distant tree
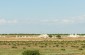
50,36
30,52
58,36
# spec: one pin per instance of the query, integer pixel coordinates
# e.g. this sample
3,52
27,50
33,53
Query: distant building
2,36
43,36
73,35
84,36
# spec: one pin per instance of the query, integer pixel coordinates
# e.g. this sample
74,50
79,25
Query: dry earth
41,39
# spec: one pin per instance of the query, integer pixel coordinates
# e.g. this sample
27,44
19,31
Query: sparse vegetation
48,46
31,52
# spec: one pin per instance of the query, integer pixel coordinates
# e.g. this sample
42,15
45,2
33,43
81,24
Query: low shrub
31,52
63,49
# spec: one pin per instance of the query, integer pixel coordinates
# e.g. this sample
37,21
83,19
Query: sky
42,16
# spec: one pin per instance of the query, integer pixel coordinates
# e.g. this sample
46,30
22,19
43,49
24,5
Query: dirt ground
41,39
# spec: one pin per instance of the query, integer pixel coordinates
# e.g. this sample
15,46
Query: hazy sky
42,16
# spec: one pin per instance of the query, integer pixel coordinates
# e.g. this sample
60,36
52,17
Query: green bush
80,49
14,46
58,36
63,49
50,36
31,52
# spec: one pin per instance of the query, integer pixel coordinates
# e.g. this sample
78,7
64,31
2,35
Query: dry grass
41,39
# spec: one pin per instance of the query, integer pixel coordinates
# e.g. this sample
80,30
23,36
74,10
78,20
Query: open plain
10,45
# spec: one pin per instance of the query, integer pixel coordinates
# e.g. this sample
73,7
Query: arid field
10,45
41,39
